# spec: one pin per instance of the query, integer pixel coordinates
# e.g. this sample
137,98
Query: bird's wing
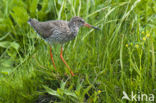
44,29
60,26
48,28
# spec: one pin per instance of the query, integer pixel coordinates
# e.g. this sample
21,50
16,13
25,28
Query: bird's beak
91,26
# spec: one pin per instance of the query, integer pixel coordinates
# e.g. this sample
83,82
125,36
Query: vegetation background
120,57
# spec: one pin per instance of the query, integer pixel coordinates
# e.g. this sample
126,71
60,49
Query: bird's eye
81,21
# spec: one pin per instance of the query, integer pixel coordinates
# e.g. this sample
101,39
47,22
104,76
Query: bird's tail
29,20
33,22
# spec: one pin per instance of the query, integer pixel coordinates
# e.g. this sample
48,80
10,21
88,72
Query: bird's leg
65,61
51,55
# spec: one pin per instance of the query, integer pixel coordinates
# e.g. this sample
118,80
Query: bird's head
79,22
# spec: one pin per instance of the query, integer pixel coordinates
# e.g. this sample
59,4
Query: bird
59,31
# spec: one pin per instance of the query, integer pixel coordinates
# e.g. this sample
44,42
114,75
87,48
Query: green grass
120,57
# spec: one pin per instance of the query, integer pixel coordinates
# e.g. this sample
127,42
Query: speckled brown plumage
58,30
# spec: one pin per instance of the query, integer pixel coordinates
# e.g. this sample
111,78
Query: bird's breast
61,37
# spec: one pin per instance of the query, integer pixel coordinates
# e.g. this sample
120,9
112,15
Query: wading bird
59,31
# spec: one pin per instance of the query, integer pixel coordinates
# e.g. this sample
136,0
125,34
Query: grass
120,57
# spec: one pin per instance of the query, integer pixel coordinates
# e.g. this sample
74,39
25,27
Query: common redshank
59,31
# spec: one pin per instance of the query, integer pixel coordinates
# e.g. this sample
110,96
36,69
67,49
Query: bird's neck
74,29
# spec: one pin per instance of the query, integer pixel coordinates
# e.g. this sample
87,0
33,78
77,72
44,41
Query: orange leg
65,62
51,55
